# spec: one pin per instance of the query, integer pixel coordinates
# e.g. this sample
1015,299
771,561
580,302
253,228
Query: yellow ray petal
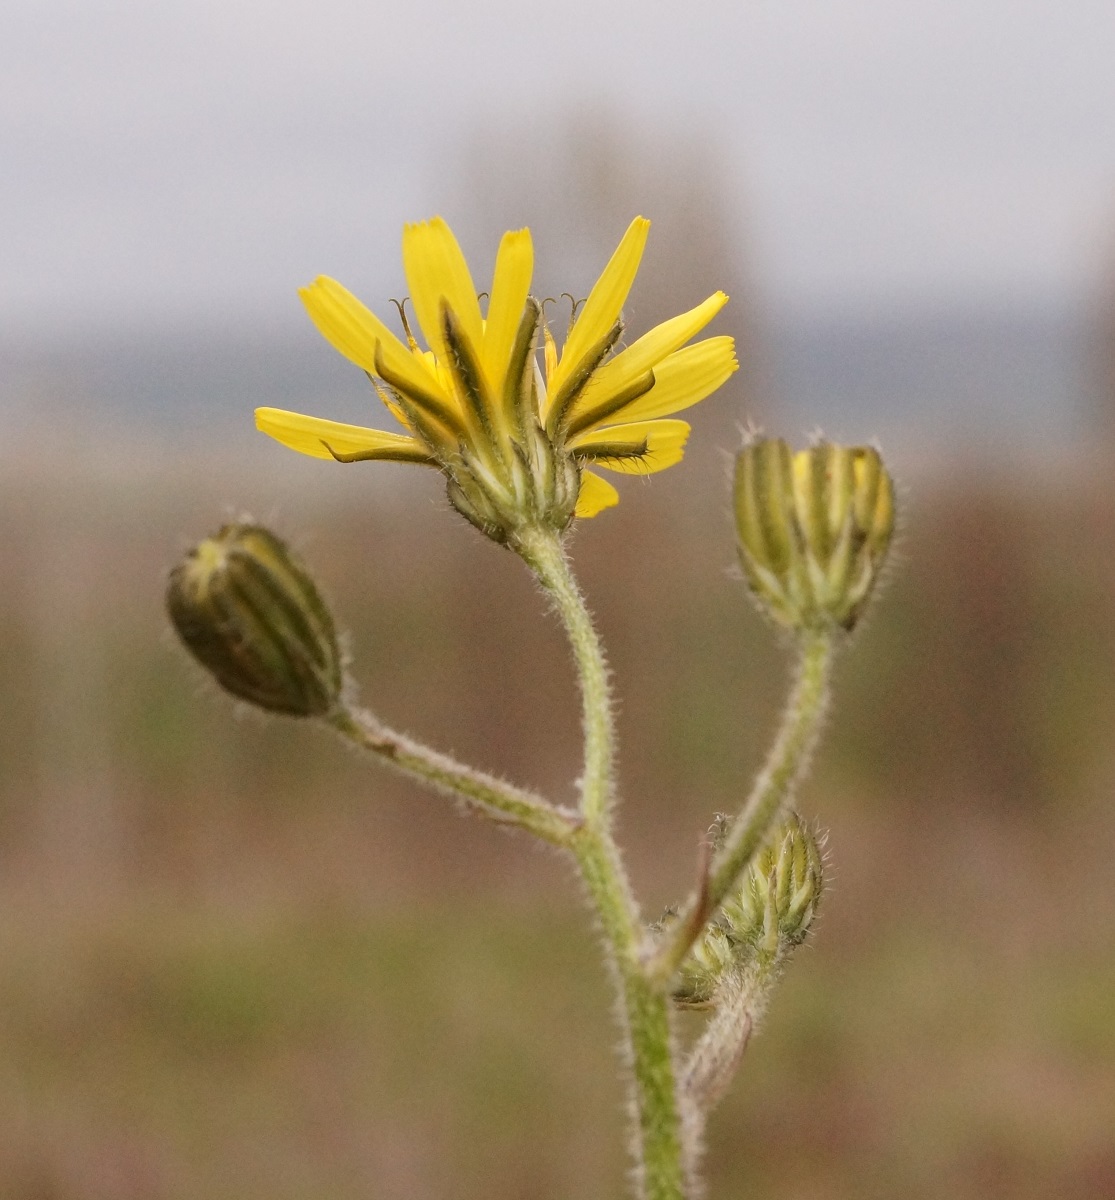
604,301
596,494
389,403
684,378
639,448
549,353
510,288
355,331
643,355
436,270
316,436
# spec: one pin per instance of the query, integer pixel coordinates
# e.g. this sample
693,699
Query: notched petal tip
437,222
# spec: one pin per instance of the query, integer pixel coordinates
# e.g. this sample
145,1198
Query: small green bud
814,529
761,921
712,957
249,612
775,905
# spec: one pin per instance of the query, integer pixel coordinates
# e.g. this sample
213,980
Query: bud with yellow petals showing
250,613
814,529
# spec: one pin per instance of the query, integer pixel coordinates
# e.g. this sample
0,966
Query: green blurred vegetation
238,961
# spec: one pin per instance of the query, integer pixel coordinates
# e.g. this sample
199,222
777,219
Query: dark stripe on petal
600,452
383,454
518,389
599,413
425,400
562,400
467,373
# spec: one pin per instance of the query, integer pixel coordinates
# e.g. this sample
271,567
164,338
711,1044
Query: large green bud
250,613
814,529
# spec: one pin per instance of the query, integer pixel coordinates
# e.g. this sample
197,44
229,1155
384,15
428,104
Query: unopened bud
712,957
814,528
777,901
250,613
760,923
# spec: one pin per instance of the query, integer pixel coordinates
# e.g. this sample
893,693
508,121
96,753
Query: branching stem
664,1120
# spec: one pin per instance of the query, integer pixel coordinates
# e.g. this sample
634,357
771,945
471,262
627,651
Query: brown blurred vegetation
238,961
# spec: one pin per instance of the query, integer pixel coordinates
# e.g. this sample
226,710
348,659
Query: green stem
643,1003
493,798
644,1009
785,765
544,554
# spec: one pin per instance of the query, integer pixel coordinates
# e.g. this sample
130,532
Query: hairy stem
785,765
644,1009
543,552
644,1004
715,1058
484,794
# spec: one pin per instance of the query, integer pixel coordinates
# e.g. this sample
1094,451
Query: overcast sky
167,161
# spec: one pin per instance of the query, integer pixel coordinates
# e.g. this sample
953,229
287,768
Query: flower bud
760,923
713,956
814,528
250,613
775,905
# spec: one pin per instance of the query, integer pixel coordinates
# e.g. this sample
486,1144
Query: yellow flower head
513,440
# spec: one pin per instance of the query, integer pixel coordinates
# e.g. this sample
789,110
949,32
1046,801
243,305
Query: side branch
785,765
483,794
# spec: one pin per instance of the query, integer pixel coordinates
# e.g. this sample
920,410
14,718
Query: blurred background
236,961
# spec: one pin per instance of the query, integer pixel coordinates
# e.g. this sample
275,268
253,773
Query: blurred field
237,961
